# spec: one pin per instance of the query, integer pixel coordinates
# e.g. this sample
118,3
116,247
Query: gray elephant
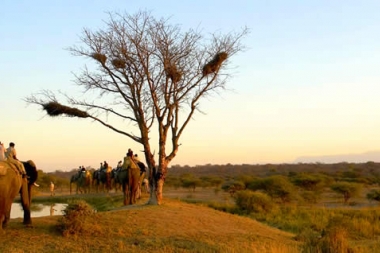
12,183
83,181
103,179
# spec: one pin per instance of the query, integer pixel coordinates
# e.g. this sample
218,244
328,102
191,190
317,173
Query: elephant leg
125,193
133,192
5,214
25,201
7,217
138,192
2,222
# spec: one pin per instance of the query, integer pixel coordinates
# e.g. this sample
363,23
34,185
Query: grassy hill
172,227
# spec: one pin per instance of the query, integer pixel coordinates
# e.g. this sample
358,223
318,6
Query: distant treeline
261,170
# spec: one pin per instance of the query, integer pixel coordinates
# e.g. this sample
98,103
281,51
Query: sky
307,85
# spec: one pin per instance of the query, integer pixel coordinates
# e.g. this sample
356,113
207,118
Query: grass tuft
79,218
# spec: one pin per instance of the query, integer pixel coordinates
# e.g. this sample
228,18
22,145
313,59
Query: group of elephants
13,183
131,181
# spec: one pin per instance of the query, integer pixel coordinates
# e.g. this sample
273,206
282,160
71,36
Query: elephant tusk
37,185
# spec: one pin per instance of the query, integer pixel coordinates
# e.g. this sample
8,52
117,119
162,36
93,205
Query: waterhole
38,210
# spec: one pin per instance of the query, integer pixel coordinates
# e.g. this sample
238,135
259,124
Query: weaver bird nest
172,72
99,57
118,63
55,109
214,65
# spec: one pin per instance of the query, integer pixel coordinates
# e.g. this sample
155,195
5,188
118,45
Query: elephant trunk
25,201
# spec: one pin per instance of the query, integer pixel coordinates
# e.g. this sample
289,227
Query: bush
256,202
348,190
374,195
233,186
310,197
333,239
78,218
275,186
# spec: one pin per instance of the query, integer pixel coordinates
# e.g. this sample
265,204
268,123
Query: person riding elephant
129,177
102,178
2,152
11,155
142,168
83,181
12,183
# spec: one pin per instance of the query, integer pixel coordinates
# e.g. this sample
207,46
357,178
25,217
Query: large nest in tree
55,109
214,65
172,72
118,63
99,57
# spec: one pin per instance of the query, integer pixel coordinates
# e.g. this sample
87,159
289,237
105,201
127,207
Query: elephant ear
31,171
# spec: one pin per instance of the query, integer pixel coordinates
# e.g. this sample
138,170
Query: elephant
83,181
12,183
130,179
103,177
114,182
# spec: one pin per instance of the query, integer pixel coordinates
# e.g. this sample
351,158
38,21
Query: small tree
374,195
250,201
275,186
348,190
214,181
233,186
308,182
189,181
156,77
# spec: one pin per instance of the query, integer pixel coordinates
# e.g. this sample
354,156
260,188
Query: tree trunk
156,193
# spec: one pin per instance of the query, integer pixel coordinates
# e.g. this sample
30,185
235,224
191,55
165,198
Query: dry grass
172,227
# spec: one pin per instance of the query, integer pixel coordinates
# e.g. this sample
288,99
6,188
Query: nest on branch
99,57
118,63
214,65
55,109
172,72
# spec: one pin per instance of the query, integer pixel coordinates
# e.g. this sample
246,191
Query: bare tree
153,75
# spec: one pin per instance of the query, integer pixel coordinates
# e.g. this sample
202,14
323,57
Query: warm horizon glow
307,86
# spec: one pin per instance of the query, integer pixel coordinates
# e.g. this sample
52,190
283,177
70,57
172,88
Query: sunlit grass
174,226
142,228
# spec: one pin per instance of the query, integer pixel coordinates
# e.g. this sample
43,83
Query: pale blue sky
307,85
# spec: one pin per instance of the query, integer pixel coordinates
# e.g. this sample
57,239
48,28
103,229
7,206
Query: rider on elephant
119,165
80,171
11,155
2,152
140,164
129,161
105,166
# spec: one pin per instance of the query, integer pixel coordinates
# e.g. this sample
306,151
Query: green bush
233,186
348,190
373,195
256,202
275,186
311,197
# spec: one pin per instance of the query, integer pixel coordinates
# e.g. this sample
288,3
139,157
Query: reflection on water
38,210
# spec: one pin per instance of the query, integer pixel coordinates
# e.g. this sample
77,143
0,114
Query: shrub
275,186
310,197
309,182
250,201
348,190
233,186
78,218
374,195
333,239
